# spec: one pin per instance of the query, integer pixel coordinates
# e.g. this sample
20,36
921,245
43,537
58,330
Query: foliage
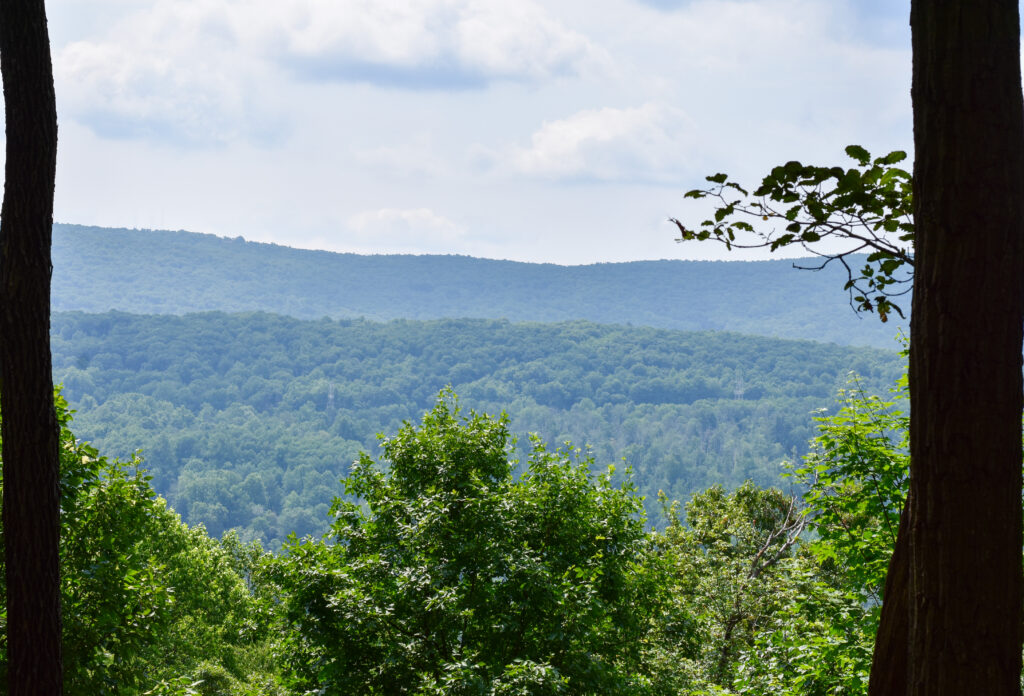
217,626
453,576
249,421
818,642
730,561
449,571
113,604
145,598
830,212
856,477
772,594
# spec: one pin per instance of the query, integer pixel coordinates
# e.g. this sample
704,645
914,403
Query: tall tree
964,585
31,500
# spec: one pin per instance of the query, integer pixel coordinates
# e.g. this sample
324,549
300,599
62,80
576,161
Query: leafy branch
832,213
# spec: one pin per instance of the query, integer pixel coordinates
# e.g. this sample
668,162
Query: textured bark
892,645
31,503
965,579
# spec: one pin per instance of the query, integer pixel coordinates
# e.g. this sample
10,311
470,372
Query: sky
564,131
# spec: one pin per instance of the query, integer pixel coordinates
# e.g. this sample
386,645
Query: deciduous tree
455,577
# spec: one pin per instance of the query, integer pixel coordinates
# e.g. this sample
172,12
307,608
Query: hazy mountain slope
144,271
250,420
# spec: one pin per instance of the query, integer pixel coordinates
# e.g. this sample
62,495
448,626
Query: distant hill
160,272
249,420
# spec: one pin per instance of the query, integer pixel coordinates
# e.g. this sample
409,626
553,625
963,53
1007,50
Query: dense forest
160,272
455,572
250,420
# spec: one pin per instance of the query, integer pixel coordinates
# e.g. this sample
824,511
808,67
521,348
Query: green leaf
892,158
889,266
859,153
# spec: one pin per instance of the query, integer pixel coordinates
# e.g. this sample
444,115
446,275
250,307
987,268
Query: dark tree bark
892,644
31,501
964,593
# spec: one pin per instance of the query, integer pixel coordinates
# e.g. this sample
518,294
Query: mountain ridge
163,272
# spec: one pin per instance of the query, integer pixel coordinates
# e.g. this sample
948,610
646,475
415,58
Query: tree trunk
965,580
892,648
31,496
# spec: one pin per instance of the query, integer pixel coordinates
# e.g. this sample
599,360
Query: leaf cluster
832,213
731,561
857,477
855,481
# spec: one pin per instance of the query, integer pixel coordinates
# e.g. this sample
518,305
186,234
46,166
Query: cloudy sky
563,131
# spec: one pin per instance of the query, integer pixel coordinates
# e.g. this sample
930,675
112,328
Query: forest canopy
250,420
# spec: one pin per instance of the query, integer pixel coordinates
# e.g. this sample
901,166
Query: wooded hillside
158,272
249,420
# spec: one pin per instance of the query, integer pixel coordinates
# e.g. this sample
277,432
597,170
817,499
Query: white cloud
769,80
649,143
516,38
203,71
420,43
418,158
416,230
173,72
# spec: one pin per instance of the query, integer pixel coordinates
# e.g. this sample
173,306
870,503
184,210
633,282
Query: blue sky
562,131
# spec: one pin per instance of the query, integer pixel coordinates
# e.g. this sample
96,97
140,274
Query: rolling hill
160,272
